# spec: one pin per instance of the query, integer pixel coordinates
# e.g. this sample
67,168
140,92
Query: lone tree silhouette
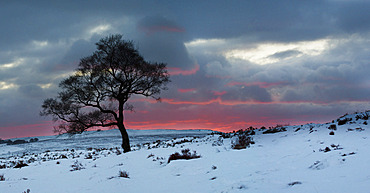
97,94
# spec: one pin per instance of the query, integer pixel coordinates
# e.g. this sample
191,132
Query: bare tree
97,94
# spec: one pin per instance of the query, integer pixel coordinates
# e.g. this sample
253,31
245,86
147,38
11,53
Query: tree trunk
125,140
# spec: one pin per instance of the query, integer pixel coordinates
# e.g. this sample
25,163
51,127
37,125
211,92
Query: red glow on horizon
217,93
30,130
223,123
178,71
186,90
218,100
190,116
204,124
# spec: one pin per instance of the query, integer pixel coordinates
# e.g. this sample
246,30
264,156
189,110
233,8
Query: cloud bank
232,64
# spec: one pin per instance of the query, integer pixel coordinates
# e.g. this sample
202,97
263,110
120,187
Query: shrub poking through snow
359,129
77,166
364,116
241,141
88,156
20,164
32,140
336,147
332,127
218,142
275,130
123,174
327,149
185,154
294,183
2,178
344,121
352,153
27,191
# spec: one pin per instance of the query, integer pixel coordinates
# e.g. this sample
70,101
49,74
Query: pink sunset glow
178,71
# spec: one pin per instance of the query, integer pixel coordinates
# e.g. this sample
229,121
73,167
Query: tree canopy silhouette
97,94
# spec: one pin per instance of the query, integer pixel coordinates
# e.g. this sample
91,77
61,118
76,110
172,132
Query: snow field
296,160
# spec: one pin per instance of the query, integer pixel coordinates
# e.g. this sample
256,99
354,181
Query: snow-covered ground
309,158
94,139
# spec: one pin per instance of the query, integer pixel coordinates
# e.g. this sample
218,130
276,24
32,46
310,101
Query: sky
233,64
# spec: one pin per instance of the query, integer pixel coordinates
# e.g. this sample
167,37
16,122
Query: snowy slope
94,139
295,160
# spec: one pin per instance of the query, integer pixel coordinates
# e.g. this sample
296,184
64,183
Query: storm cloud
233,64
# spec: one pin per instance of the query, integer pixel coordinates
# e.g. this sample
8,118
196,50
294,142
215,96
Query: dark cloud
247,93
327,93
43,41
353,16
162,40
155,24
78,50
276,21
31,91
20,107
203,87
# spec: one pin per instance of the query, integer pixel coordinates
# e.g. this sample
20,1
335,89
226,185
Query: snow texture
295,159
